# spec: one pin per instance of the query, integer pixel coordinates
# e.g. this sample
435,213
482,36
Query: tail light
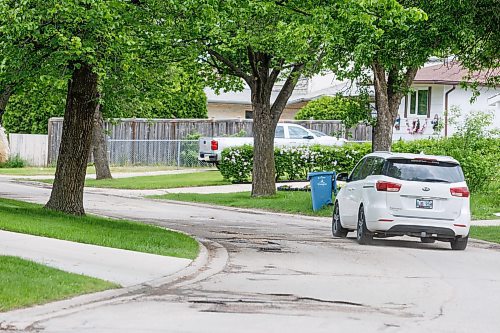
387,186
214,145
462,192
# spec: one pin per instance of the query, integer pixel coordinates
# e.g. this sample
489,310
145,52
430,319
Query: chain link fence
180,153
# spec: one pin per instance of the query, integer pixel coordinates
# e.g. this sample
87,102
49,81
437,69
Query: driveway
285,273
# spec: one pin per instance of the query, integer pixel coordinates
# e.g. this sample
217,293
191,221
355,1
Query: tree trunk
99,147
264,172
382,133
389,91
265,119
81,103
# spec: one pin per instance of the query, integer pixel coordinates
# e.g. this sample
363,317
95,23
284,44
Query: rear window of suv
424,170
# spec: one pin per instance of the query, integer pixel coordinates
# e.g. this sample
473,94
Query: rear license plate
425,204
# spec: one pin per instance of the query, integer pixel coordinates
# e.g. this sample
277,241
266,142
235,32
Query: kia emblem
426,189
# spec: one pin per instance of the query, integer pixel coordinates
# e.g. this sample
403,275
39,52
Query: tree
267,45
78,40
394,52
153,92
33,103
477,38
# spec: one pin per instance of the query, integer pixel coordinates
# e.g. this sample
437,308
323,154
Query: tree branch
283,3
287,90
232,67
251,59
275,72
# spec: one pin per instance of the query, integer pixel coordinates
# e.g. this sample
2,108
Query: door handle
350,189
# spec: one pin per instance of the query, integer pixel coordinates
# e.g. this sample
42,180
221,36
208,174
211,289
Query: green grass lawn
490,234
25,283
485,203
50,171
33,219
206,178
285,202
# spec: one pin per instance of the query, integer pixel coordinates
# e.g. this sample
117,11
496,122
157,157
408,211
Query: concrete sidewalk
126,268
118,174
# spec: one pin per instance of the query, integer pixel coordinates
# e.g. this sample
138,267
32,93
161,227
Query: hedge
479,159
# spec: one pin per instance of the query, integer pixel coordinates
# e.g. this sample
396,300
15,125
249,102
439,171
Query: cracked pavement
284,273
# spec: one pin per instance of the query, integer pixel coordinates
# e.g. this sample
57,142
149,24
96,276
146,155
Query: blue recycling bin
323,183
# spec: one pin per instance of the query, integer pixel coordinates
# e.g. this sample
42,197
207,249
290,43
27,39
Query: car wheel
459,243
364,235
337,229
427,240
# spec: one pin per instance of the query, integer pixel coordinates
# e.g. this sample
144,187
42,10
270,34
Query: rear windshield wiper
434,180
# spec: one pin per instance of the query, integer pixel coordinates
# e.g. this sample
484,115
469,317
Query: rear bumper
208,157
418,227
420,231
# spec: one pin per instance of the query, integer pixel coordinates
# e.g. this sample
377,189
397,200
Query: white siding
459,97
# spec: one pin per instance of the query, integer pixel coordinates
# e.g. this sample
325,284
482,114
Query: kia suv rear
394,194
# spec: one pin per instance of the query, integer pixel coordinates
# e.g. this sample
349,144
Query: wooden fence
32,148
184,129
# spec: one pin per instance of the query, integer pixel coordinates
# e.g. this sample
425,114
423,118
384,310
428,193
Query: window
279,133
425,171
419,103
371,166
356,172
297,132
248,114
377,166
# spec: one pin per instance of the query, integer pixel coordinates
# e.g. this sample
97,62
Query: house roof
452,73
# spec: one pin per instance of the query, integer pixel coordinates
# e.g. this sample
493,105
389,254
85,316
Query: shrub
237,163
292,163
473,145
13,162
479,158
480,161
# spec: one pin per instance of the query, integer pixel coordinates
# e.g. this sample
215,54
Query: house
421,114
437,88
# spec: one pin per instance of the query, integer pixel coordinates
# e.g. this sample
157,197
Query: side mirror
309,137
343,177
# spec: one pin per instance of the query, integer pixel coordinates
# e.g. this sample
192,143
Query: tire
427,240
364,236
337,229
459,243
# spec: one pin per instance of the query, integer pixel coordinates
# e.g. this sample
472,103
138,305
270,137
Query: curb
485,244
211,260
240,210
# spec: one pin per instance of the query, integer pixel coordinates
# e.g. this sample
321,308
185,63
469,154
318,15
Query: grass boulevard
25,283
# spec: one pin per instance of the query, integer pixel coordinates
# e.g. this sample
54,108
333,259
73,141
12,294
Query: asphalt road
286,274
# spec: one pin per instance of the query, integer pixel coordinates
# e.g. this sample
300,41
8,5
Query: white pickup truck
290,135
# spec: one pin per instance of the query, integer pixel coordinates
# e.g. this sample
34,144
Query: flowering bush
292,163
237,163
479,158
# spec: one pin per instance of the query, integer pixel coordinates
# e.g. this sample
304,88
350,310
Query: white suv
393,194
